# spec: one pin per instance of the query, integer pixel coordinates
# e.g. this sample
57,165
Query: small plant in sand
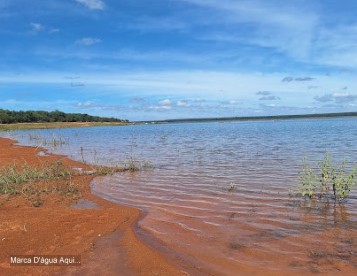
330,181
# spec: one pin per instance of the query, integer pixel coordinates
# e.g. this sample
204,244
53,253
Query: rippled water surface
222,195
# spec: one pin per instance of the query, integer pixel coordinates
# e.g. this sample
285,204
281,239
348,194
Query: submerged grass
53,141
133,165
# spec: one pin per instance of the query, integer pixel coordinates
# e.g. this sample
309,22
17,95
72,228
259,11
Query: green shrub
330,181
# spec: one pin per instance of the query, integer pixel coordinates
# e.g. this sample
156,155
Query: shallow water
218,193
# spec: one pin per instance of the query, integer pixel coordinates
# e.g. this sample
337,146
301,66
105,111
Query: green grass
13,177
36,182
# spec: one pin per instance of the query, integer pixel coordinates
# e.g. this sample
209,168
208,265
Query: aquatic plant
132,165
42,141
54,141
330,181
232,187
82,155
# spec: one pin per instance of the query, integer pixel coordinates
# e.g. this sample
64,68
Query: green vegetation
13,177
330,182
34,182
13,117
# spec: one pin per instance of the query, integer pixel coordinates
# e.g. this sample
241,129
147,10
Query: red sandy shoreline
103,236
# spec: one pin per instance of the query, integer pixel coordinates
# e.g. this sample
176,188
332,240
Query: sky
165,59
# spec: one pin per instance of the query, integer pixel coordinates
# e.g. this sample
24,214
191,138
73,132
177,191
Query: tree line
12,117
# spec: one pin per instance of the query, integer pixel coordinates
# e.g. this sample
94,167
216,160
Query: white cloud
40,28
298,29
36,27
53,31
88,41
183,104
273,24
165,104
269,98
85,104
189,85
234,102
338,98
92,4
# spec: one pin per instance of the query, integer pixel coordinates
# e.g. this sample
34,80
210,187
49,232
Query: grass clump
48,178
331,181
13,177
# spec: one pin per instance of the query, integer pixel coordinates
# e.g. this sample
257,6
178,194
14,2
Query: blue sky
161,59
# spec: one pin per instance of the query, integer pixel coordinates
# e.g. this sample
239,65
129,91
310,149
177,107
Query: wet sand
100,231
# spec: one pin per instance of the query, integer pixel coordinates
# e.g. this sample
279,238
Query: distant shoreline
4,127
252,118
53,125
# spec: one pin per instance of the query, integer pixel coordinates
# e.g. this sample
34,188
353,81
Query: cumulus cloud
86,104
290,79
164,104
263,93
92,4
269,98
183,104
287,79
88,41
304,79
338,98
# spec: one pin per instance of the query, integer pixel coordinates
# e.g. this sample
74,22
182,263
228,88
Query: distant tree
8,117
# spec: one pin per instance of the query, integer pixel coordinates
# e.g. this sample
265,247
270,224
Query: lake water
222,195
